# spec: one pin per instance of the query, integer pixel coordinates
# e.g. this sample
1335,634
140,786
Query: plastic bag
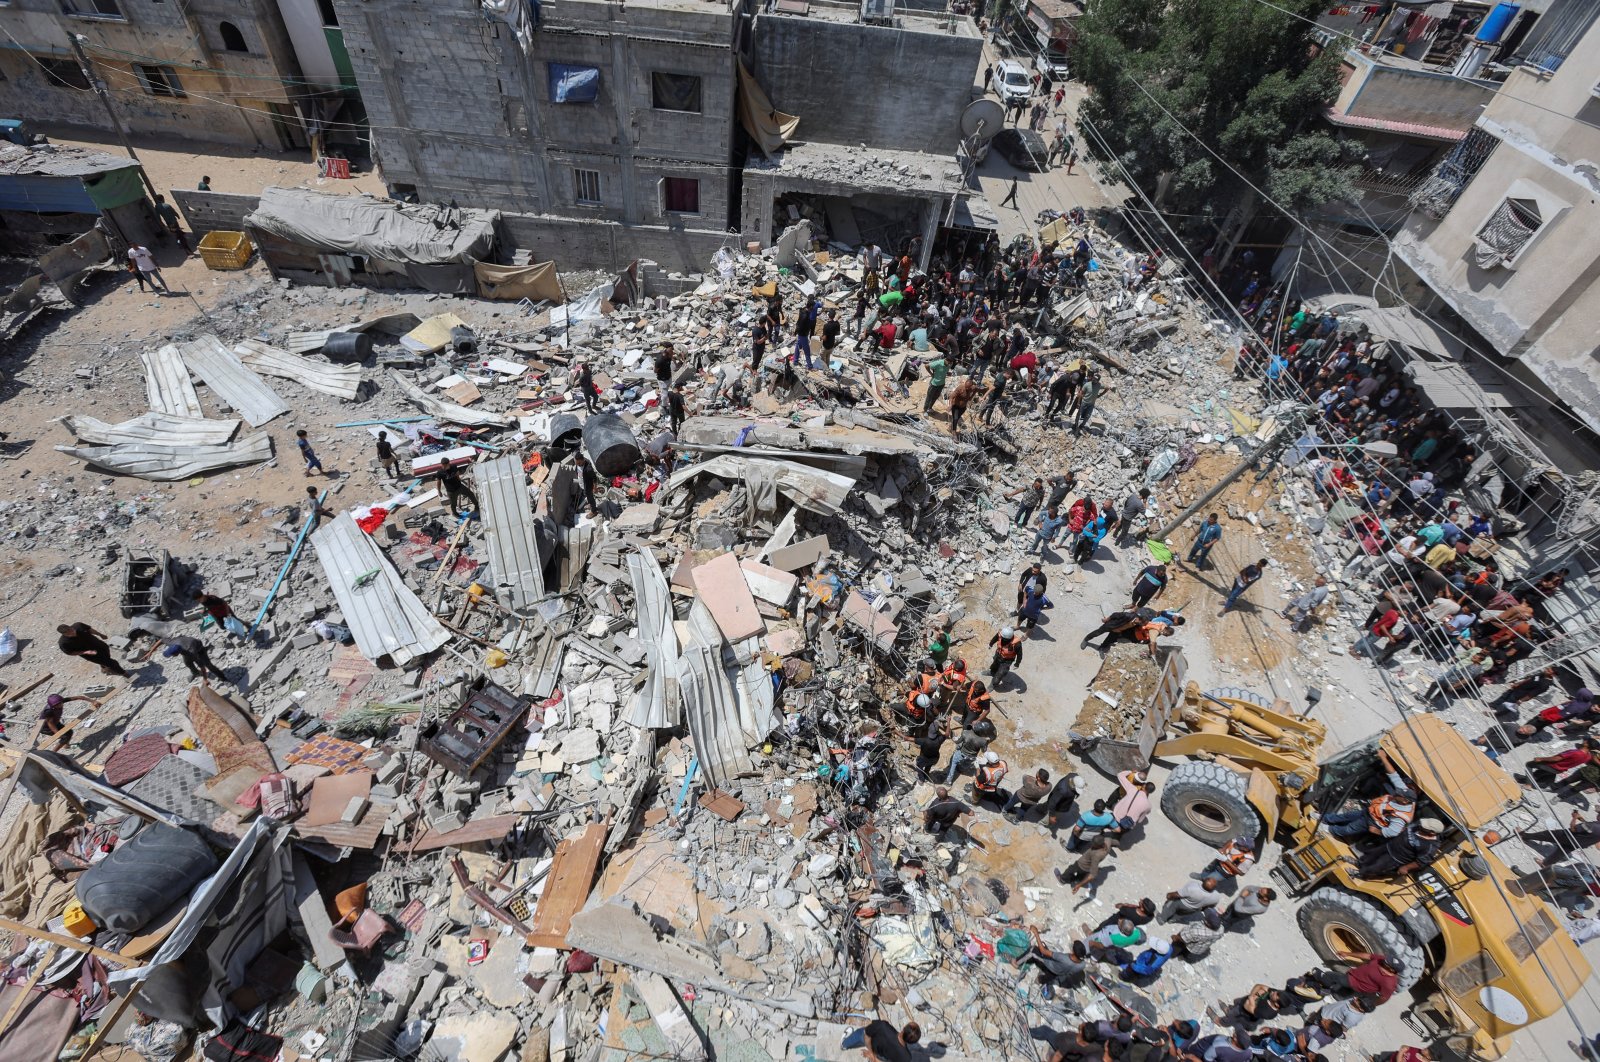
8,646
234,626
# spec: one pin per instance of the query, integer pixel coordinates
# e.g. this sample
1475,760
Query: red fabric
1386,623
1370,979
1566,761
373,520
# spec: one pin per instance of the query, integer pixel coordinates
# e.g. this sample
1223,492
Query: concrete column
931,209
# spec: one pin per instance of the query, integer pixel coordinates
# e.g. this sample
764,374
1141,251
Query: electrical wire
51,74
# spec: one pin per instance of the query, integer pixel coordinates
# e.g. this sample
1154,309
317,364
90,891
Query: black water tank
357,345
610,444
143,877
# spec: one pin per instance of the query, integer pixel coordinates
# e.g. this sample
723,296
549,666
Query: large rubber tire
1239,693
1330,914
1207,802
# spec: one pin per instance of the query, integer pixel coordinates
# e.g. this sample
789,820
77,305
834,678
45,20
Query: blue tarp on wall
45,194
574,84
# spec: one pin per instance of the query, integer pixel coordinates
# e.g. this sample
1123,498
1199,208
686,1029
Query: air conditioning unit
877,10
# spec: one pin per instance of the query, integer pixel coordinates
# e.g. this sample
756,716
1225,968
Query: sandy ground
174,163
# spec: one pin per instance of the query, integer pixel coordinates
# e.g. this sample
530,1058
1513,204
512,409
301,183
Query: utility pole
1274,447
99,87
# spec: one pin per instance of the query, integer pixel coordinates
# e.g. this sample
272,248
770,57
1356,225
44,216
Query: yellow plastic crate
226,250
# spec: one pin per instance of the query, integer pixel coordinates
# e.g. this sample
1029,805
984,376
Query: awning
1451,386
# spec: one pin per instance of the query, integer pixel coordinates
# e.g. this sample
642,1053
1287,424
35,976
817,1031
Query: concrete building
1400,117
873,158
1504,231
605,130
213,71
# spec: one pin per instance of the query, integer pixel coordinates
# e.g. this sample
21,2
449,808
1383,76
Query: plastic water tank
356,345
1496,22
144,876
610,444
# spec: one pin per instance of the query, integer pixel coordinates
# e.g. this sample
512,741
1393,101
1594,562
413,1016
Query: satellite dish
983,118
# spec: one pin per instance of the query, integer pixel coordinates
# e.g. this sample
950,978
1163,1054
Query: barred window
1507,232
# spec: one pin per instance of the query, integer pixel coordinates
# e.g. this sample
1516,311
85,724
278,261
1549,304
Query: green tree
1248,80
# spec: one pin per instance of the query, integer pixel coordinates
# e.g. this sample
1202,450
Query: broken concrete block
305,641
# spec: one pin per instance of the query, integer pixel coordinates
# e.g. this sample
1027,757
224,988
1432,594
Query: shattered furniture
461,742
149,584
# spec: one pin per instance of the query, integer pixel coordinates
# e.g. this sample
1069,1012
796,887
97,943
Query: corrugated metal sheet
236,385
726,712
448,411
37,193
508,519
656,703
164,463
394,324
340,381
386,618
153,427
813,489
167,386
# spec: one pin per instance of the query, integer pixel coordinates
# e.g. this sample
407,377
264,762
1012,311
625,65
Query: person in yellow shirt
1439,556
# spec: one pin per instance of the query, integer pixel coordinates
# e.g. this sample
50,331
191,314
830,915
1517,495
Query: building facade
215,71
1503,232
586,115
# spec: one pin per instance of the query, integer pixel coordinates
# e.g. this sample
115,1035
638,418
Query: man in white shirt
142,264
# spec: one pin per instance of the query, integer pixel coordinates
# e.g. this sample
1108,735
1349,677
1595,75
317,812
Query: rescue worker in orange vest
953,682
1159,627
1007,654
1385,816
918,705
986,782
976,703
926,684
1232,860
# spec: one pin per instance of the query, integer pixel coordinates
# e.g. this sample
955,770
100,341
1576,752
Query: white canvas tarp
377,228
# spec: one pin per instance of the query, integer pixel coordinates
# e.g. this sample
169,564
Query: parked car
1052,64
1023,148
1011,81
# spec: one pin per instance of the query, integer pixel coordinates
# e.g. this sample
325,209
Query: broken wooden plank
492,828
725,806
571,877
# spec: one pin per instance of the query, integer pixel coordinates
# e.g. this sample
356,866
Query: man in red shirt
1389,625
1550,768
1374,975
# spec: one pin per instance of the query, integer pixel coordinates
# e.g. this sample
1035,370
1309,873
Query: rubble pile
597,760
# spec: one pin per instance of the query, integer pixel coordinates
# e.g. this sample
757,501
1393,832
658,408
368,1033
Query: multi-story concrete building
607,131
216,71
1504,231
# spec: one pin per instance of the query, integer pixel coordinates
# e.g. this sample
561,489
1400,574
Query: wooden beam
571,877
22,997
69,942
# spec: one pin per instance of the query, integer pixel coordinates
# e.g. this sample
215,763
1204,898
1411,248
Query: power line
1393,696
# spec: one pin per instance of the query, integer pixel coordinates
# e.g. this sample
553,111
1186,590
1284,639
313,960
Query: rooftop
55,160
904,18
868,170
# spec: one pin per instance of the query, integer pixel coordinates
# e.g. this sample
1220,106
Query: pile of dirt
1129,677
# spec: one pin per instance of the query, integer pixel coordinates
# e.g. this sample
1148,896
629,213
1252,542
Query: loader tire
1334,920
1239,693
1207,802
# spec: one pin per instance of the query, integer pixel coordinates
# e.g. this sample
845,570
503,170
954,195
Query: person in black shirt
1139,914
586,387
455,489
590,479
675,409
930,744
1529,688
883,1042
758,346
80,639
386,458
945,811
663,364
830,334
1083,1043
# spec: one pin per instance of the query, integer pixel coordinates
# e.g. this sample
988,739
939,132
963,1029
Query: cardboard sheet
720,584
331,794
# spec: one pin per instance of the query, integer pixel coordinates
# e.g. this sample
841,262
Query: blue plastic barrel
1496,22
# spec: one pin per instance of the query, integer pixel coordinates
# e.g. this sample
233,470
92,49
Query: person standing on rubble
986,780
315,509
972,742
82,640
997,391
1091,391
455,489
1204,541
195,654
1029,498
830,336
1133,507
586,387
675,410
943,812
883,1043
387,461
960,399
930,744
221,614
805,326
938,370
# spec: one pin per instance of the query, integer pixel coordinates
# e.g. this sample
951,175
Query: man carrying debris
943,812
1007,654
455,489
883,1043
1302,608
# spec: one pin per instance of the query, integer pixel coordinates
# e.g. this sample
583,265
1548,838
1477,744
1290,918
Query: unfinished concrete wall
1542,306
899,87
577,244
226,94
1392,92
485,131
